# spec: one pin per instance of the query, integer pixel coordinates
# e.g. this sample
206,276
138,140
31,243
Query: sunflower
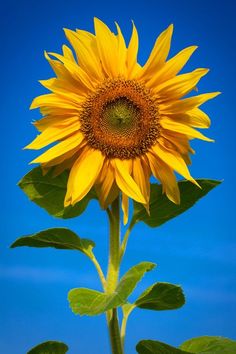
116,122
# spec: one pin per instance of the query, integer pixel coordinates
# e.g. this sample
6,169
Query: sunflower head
115,123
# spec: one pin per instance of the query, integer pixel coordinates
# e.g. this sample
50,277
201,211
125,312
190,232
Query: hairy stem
114,332
113,275
114,247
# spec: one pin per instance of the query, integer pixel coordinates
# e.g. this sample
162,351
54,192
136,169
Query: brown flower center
121,119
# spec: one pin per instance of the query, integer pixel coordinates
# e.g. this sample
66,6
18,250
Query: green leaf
163,210
200,345
161,296
50,347
156,347
91,302
210,345
60,238
49,192
129,281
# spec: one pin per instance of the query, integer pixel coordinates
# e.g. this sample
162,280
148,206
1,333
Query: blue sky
196,250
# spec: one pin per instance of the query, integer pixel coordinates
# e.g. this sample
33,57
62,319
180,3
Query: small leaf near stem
65,239
154,347
209,345
200,345
49,347
92,302
58,237
159,296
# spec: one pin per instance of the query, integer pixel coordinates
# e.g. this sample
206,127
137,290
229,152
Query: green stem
114,332
113,275
99,270
123,330
126,237
114,247
124,323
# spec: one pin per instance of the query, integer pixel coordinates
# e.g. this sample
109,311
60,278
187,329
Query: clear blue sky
196,250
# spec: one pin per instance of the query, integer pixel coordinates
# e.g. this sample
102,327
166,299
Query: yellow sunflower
116,122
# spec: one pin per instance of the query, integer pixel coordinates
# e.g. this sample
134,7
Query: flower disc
121,119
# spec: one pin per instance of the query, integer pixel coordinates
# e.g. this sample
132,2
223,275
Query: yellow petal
179,142
85,56
125,182
62,158
183,129
64,83
53,100
90,42
76,71
159,53
105,183
57,66
59,111
125,208
122,52
60,149
52,134
180,85
186,104
87,34
195,118
171,67
141,178
166,176
83,175
174,160
68,54
64,90
132,52
64,165
112,195
147,174
66,79
48,121
107,48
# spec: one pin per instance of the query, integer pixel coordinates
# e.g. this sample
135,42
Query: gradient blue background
196,250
